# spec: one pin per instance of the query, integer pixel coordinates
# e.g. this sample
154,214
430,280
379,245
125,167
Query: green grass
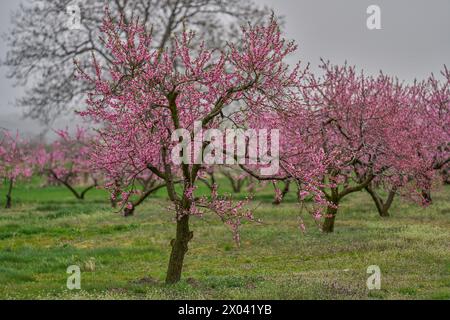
126,258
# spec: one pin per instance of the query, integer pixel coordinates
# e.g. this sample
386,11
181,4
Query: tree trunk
384,212
336,197
9,195
446,177
285,191
113,203
179,250
128,212
237,189
426,194
251,185
72,189
235,185
328,225
382,207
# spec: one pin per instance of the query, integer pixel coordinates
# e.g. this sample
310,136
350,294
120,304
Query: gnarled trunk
179,250
65,182
384,212
382,207
328,224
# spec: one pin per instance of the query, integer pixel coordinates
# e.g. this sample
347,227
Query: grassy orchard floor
47,231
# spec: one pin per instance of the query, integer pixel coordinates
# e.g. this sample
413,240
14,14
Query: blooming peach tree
436,113
372,131
14,161
67,162
425,122
147,95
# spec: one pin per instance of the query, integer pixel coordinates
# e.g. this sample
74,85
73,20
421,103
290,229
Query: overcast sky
414,40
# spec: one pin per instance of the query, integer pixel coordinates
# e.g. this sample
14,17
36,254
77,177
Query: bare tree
46,37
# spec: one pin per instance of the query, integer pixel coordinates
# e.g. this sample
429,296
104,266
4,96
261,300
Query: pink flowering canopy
14,157
15,161
435,123
147,94
68,160
349,131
